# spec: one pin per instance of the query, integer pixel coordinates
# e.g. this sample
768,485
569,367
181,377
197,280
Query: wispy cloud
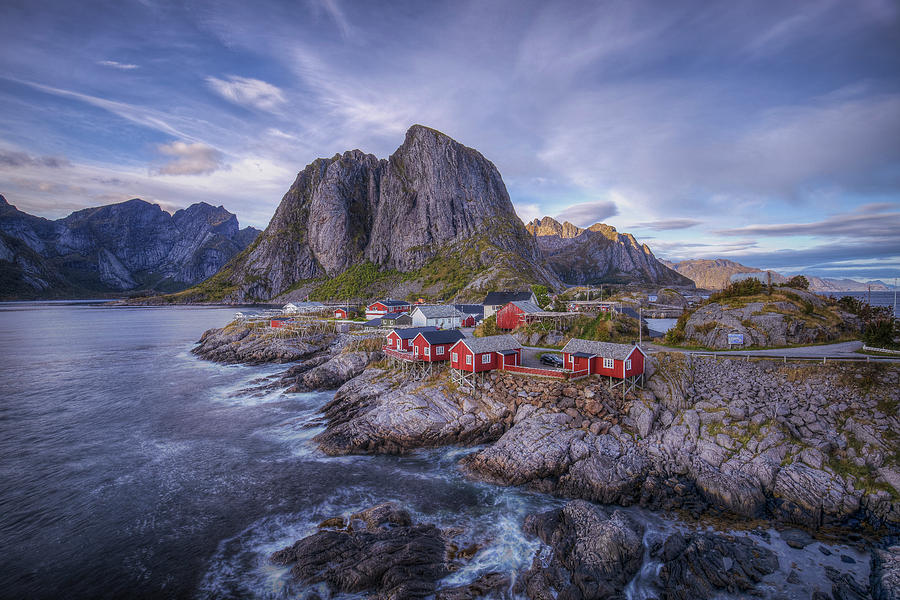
117,65
11,158
871,221
668,224
190,159
588,213
248,92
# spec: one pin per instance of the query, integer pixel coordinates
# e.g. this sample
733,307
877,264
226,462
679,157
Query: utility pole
895,297
640,326
869,295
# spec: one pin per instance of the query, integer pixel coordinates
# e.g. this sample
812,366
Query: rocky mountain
599,254
434,216
129,246
715,274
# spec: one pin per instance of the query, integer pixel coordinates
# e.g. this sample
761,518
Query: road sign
735,339
651,298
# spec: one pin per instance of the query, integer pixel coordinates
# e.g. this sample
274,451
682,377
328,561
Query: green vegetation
542,295
352,283
487,327
798,282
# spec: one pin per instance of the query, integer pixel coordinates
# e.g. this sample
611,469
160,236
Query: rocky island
775,457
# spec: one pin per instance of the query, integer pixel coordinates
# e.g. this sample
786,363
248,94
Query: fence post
824,358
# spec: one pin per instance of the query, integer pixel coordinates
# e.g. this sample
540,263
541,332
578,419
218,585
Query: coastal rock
380,413
336,371
885,574
390,557
488,585
594,554
243,343
699,566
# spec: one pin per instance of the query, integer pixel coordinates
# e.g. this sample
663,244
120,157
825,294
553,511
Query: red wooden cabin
485,354
468,321
401,339
620,361
433,346
514,314
383,307
340,313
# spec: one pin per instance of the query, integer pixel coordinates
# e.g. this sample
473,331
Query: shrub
798,282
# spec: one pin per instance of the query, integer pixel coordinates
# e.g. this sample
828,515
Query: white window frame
439,350
486,358
609,363
628,365
454,357
468,359
427,351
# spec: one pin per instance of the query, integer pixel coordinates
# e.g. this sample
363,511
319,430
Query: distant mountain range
715,274
599,254
109,250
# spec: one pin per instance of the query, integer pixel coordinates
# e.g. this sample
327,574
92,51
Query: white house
440,316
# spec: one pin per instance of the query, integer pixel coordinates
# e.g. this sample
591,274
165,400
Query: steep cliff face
127,246
432,201
598,254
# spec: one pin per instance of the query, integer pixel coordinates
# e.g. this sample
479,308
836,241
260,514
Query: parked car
552,359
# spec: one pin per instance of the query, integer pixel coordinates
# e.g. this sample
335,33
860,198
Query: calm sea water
130,468
875,298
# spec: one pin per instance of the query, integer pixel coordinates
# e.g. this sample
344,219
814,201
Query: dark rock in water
844,587
796,538
594,554
824,550
701,565
391,557
848,559
793,577
489,584
885,574
333,373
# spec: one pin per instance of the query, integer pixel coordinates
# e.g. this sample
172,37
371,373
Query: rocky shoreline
748,442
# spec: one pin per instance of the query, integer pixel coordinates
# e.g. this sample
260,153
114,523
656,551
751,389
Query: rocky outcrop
254,345
788,317
379,413
885,575
599,254
335,372
699,566
378,552
433,199
593,554
132,245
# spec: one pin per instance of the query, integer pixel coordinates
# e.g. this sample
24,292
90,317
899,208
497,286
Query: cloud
117,65
248,92
190,159
528,211
870,221
334,10
588,213
11,158
668,224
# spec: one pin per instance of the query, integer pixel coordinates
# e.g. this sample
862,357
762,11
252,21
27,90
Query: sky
762,132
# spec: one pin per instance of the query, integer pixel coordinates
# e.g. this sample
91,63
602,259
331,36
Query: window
608,363
485,359
427,351
468,359
628,365
454,357
439,350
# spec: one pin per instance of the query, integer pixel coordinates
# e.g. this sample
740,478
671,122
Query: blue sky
764,132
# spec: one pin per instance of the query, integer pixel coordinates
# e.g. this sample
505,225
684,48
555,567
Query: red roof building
619,361
383,307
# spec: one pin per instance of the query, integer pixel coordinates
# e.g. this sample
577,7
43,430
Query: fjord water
131,468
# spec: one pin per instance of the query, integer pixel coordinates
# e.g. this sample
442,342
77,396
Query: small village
419,338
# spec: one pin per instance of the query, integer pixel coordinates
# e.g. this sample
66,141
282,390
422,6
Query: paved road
846,349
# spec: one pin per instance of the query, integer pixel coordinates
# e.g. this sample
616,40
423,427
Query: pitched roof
391,316
526,306
630,312
373,323
438,311
442,336
492,343
501,298
604,349
408,333
471,309
391,302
